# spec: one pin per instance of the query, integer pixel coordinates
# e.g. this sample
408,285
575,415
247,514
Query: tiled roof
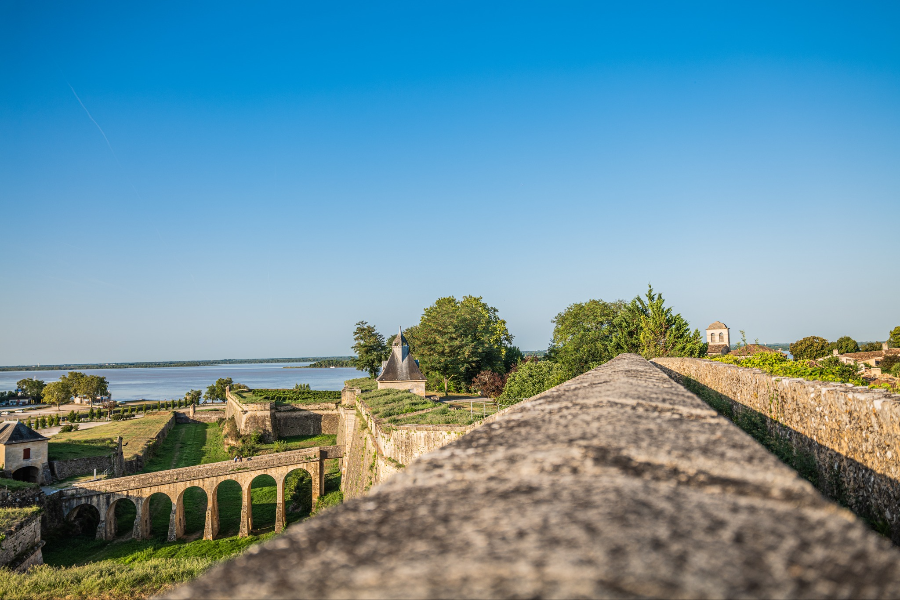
400,365
865,355
717,349
13,432
717,325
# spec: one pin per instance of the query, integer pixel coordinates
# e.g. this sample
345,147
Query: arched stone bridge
103,495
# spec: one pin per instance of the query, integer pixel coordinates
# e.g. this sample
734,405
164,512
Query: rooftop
14,432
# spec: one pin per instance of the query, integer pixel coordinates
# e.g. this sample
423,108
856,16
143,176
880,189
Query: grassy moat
79,566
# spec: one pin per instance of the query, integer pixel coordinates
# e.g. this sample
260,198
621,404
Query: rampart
618,483
375,451
845,438
20,546
275,421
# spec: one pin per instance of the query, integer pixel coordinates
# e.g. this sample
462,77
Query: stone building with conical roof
401,371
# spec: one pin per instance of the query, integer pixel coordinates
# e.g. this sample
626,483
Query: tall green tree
458,339
216,392
809,348
58,392
369,347
843,345
193,396
90,386
646,326
894,337
33,388
583,336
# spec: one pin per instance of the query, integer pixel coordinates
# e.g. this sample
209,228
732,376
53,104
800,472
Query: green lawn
11,516
13,484
366,384
99,441
298,442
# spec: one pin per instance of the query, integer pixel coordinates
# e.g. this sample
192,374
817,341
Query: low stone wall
250,418
617,484
21,546
297,421
844,438
63,469
199,416
20,498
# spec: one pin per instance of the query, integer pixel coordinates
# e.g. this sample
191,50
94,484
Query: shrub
489,384
69,427
888,363
810,348
532,378
279,446
775,363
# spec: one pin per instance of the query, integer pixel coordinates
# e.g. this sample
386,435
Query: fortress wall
618,483
62,469
306,422
848,437
21,546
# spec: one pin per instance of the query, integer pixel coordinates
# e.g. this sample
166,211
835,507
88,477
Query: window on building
26,453
721,337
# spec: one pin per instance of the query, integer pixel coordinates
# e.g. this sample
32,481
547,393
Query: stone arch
85,519
157,515
191,511
227,499
29,474
297,494
121,517
264,501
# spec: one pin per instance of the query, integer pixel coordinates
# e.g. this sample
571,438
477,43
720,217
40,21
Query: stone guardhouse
718,338
23,453
401,371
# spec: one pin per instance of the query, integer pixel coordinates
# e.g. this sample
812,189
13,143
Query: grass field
99,441
298,442
11,516
78,566
13,484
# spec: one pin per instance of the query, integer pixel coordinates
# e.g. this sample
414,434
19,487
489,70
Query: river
166,383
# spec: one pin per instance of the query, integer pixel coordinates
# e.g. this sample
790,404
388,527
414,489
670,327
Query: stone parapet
848,435
618,483
20,546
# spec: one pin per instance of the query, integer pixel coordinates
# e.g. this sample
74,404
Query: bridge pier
246,510
141,529
211,526
176,520
279,504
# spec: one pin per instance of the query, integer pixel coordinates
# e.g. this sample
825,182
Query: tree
457,339
90,386
33,388
531,378
646,326
193,396
809,348
843,345
489,384
57,392
870,347
583,335
369,347
894,337
216,392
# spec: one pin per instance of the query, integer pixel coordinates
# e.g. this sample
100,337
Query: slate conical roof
401,366
14,432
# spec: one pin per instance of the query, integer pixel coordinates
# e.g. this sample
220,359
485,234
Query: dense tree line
463,345
813,347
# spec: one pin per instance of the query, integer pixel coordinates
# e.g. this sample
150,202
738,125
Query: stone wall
375,451
21,546
306,422
199,416
843,438
19,498
617,484
63,469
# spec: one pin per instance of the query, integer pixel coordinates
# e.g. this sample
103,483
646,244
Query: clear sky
208,180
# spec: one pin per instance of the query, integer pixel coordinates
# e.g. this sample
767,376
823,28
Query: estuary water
166,383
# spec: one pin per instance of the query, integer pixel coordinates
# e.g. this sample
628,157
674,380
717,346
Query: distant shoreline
169,363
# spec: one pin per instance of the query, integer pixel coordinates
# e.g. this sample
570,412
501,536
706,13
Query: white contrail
94,122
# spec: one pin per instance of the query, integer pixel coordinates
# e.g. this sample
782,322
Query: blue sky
269,174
